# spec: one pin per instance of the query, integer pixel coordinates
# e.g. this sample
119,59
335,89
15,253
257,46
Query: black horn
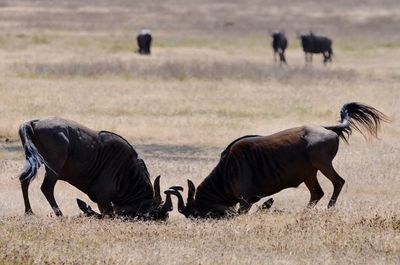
179,188
191,191
167,207
181,203
162,209
157,195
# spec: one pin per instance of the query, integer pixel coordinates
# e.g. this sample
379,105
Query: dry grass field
210,79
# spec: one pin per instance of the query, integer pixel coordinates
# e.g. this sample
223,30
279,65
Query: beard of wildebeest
102,165
253,167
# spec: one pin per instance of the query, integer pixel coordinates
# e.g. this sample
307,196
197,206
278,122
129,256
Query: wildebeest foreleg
282,57
306,55
47,188
326,57
105,207
315,189
102,194
337,181
329,55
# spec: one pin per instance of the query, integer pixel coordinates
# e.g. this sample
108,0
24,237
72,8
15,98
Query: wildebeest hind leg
25,188
282,57
47,188
315,189
337,181
326,58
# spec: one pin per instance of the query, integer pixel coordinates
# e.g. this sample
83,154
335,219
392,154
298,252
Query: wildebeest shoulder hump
110,136
225,152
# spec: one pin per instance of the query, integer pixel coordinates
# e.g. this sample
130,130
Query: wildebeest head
302,36
159,209
277,34
156,209
193,207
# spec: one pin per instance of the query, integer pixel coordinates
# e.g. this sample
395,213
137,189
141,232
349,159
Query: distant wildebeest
279,45
101,164
253,167
144,39
316,44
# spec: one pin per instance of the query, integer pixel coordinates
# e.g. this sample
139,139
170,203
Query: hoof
29,212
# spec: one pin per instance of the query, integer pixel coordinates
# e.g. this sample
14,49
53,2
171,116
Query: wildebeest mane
214,186
135,170
223,154
122,138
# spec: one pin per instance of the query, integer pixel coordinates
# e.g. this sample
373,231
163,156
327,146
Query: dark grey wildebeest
279,45
316,44
144,39
253,167
101,164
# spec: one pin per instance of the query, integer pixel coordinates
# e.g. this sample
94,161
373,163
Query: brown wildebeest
253,167
101,164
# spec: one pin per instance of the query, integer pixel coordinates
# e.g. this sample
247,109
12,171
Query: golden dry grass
209,80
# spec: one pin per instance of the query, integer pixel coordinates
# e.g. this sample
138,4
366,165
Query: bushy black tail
360,117
33,159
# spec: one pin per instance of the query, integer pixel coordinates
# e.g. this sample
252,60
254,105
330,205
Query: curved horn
179,188
157,195
181,204
191,191
167,207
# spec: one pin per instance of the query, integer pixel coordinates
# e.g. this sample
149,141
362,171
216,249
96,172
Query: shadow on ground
12,149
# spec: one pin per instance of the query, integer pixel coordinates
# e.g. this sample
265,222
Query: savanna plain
210,79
